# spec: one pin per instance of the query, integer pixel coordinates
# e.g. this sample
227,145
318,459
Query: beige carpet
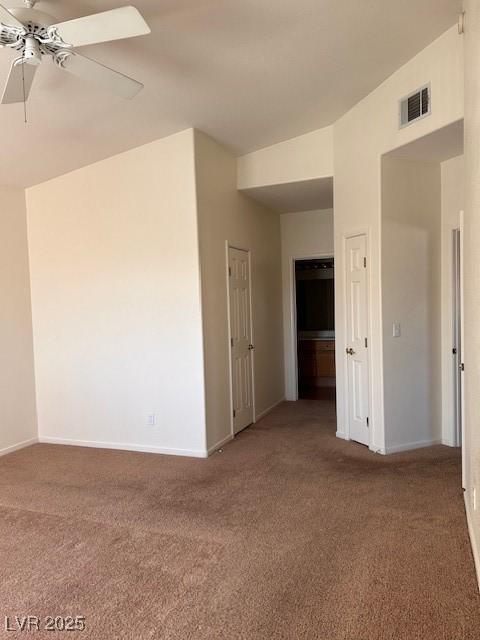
289,533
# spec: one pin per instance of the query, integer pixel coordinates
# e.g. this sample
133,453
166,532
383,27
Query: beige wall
303,158
453,174
116,302
411,296
361,137
227,215
304,235
472,270
18,420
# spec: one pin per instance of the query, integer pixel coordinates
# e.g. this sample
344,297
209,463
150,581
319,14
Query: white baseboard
190,453
474,538
409,446
220,444
230,437
261,415
19,445
342,435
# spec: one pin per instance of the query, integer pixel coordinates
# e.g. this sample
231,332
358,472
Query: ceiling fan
35,34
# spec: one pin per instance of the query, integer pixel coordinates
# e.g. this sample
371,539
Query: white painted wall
361,137
303,158
304,235
18,420
227,215
411,296
472,271
453,174
116,302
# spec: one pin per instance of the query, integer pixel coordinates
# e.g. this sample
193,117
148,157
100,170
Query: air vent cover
415,106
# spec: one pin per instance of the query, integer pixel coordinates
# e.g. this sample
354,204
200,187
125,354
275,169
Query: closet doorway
315,328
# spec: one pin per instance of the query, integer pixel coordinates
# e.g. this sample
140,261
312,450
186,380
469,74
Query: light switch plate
397,332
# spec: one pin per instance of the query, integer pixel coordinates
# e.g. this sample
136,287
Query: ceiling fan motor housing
35,41
32,54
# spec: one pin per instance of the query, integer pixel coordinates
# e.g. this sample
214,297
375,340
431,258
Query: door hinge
366,343
365,262
462,367
231,341
234,413
368,422
230,271
454,351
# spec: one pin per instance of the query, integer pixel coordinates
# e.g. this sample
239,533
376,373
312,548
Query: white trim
230,437
191,453
342,435
19,445
293,309
269,410
219,444
409,446
474,541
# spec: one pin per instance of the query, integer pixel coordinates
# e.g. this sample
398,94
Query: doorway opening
422,200
315,328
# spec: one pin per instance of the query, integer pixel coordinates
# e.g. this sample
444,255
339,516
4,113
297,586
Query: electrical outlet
151,420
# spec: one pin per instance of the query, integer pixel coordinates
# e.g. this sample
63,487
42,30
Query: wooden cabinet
316,363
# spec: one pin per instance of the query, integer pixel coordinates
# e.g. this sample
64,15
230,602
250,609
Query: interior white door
465,470
240,338
457,337
356,339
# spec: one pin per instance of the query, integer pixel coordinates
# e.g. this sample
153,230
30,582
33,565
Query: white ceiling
305,195
248,72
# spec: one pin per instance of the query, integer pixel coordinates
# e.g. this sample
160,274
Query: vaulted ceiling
248,72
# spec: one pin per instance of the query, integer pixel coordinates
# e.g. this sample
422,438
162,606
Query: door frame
293,310
364,231
456,433
234,245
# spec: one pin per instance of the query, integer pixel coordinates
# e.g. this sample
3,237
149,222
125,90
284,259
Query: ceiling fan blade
14,89
125,22
105,77
8,20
